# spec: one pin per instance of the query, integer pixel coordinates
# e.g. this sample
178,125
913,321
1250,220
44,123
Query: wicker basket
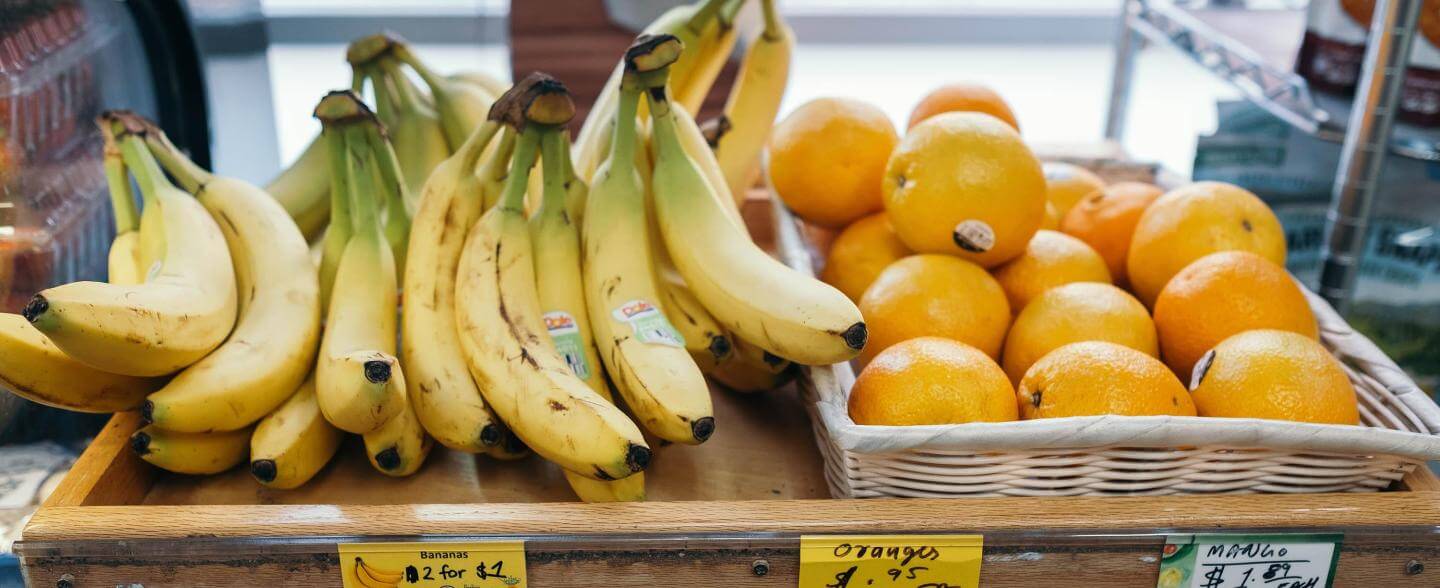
1118,455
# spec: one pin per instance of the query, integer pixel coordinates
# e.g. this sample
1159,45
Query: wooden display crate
727,513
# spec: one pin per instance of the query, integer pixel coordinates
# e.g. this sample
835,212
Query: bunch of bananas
477,286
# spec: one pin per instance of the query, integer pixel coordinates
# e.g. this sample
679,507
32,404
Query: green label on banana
484,564
566,335
649,324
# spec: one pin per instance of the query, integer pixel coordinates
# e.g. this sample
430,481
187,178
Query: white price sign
1249,561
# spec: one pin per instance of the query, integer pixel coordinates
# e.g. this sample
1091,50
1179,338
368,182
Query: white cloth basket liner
1122,455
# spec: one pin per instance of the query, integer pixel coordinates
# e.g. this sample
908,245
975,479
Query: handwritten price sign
1249,561
498,564
893,561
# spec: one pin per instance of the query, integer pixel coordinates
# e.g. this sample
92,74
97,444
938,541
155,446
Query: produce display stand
727,513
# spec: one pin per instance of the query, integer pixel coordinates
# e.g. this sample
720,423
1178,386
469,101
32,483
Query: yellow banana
416,131
753,295
35,369
399,447
293,443
752,369
699,152
705,339
502,334
274,342
685,22
442,393
461,105
304,187
642,351
491,84
556,250
716,42
754,101
356,376
170,321
494,166
191,453
369,577
124,259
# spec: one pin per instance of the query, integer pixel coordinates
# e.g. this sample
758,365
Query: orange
1052,217
934,295
1051,259
860,253
1194,221
932,381
965,184
1268,374
827,157
1097,378
1073,313
962,97
1220,295
1106,220
1066,184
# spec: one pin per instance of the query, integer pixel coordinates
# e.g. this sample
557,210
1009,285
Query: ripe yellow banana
461,105
416,131
124,258
494,166
698,150
170,321
752,369
705,339
641,349
754,101
502,334
34,368
356,376
555,242
191,453
685,22
442,392
399,447
274,342
716,42
755,296
491,84
371,577
293,443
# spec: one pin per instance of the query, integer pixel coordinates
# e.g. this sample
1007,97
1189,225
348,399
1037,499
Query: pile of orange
997,287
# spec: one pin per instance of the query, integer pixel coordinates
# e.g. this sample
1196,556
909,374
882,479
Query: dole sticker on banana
566,335
649,324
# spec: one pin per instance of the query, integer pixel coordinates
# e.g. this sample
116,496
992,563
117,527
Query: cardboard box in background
1397,296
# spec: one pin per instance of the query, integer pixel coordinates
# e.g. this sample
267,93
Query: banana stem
339,178
391,178
706,11
387,94
519,180
122,198
622,146
773,23
357,79
474,145
409,95
552,149
363,203
403,53
191,176
141,163
729,11
494,168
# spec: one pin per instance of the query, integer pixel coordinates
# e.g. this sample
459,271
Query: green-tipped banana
442,392
304,187
35,369
556,244
399,447
754,101
755,296
461,105
393,191
415,131
642,351
503,335
293,443
124,258
167,323
356,377
191,453
278,331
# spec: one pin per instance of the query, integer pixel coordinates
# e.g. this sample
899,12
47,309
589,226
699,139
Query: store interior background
1051,59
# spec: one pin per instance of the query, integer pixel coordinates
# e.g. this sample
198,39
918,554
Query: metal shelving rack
1368,136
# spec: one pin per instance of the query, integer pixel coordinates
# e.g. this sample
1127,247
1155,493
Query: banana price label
890,561
491,564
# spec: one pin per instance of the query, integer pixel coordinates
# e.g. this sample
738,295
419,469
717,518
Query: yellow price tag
495,564
890,561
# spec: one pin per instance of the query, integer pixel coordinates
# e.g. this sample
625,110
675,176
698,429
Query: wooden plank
108,472
1422,479
1322,511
